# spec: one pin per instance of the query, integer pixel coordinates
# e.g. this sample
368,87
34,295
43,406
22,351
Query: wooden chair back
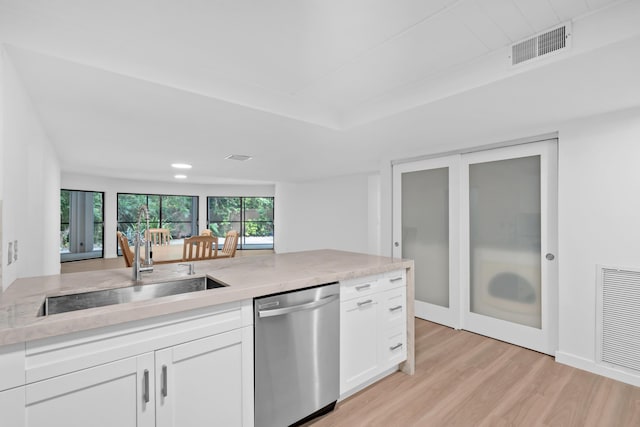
206,232
230,244
124,248
199,247
158,236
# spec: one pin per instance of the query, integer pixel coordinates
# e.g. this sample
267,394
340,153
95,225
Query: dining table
166,254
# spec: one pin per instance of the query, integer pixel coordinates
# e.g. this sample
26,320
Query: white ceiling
310,88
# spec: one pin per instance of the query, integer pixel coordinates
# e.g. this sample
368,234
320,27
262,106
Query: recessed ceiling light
239,157
180,176
181,165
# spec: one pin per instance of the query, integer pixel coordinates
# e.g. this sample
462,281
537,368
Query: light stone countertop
247,277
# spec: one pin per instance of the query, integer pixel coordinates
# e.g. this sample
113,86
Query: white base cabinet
187,369
373,328
204,382
12,407
112,394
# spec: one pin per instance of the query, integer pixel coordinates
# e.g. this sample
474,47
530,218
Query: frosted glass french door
508,245
426,230
482,230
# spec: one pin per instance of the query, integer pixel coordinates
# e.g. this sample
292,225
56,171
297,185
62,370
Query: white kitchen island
184,359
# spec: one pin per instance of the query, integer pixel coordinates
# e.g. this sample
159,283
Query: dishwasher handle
300,307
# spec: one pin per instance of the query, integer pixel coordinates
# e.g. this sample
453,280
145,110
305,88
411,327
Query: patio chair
230,245
124,248
199,247
158,236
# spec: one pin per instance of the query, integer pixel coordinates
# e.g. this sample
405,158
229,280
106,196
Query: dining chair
124,248
158,236
230,245
206,232
199,247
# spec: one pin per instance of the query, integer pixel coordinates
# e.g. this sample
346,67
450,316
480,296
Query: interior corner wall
30,186
326,214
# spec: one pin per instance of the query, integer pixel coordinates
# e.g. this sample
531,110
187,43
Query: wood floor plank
464,379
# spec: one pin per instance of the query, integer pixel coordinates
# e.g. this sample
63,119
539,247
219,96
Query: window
251,216
179,214
81,225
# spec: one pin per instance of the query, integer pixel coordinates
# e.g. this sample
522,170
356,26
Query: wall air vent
618,318
554,40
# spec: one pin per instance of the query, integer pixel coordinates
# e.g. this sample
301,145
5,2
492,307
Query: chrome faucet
147,265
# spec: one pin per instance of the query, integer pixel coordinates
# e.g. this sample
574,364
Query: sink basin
84,300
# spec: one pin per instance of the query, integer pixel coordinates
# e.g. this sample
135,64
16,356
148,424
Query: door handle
145,391
363,303
299,307
164,389
550,256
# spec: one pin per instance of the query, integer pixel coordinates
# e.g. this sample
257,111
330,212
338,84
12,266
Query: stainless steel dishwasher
296,355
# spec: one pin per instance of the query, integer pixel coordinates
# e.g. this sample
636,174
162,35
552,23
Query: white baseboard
588,365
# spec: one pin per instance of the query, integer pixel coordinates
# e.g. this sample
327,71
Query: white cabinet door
359,341
114,394
12,407
202,383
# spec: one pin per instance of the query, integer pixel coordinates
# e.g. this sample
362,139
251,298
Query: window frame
194,222
68,223
242,245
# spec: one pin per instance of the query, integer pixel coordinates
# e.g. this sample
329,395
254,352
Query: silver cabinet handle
363,303
306,306
395,347
395,279
397,307
363,287
145,392
164,381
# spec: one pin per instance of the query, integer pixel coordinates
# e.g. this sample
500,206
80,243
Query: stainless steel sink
84,300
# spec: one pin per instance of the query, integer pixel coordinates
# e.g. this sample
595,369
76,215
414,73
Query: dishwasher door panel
296,354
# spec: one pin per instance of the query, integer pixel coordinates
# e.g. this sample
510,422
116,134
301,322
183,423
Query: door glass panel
425,232
504,224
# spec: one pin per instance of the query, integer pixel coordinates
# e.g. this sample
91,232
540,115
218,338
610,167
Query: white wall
111,187
599,221
328,214
30,185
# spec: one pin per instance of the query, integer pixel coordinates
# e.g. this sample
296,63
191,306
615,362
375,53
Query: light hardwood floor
464,379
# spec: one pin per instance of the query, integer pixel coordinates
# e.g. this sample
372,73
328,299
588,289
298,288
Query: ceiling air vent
554,40
239,157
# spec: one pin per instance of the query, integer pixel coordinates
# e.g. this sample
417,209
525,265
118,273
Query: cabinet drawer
394,349
394,308
359,287
393,279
